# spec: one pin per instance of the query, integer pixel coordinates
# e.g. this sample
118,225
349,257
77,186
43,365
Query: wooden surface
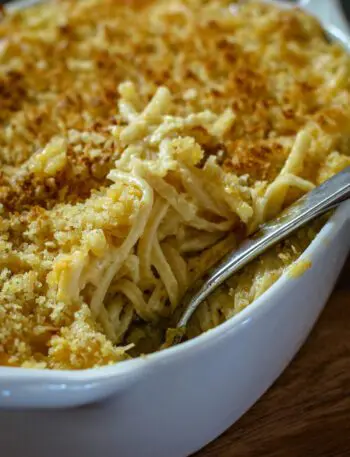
306,413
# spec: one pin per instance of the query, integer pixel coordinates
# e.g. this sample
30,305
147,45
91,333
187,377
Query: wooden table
306,413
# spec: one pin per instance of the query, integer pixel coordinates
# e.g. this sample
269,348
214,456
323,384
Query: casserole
216,376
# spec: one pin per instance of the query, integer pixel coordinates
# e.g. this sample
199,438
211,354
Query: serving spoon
313,204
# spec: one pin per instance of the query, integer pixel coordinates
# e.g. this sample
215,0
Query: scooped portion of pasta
139,143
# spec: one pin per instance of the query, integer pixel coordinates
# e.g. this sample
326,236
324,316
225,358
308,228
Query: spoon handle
313,204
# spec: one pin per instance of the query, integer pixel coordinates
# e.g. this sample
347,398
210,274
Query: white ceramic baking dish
172,403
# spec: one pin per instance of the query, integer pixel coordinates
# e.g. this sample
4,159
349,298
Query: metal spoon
317,202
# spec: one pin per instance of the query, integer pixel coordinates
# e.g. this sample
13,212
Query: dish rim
233,324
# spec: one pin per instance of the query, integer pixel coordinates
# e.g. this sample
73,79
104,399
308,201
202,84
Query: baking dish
173,402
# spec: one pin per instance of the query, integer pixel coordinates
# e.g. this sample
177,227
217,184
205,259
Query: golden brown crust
261,160
72,83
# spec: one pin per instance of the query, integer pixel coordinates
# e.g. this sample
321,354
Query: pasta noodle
124,179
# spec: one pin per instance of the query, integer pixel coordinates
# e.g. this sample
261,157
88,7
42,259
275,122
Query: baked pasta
139,142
